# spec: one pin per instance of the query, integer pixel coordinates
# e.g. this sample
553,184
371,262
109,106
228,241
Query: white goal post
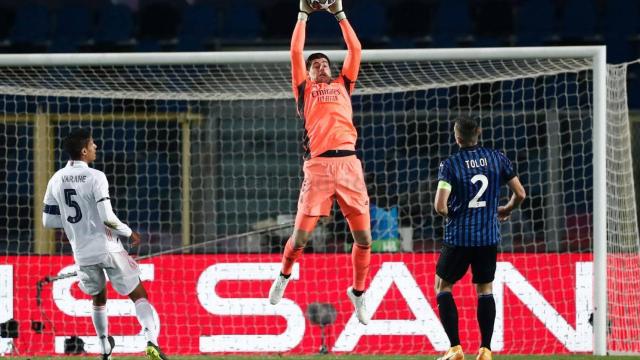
238,77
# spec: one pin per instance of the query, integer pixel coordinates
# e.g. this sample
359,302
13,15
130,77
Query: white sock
148,319
100,322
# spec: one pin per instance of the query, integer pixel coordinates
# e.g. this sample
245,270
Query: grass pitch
351,357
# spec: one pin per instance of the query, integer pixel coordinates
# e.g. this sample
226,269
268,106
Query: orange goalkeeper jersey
326,108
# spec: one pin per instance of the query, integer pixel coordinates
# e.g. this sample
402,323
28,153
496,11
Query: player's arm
298,70
351,65
445,179
51,211
442,198
516,199
105,211
508,175
110,220
51,216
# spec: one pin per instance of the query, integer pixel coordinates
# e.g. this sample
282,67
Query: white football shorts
122,270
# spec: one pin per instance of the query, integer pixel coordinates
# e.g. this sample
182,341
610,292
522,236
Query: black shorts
455,260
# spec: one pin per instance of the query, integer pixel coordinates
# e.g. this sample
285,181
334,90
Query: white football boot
360,305
277,289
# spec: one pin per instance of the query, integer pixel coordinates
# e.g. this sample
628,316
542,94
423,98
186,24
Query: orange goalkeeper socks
361,257
289,257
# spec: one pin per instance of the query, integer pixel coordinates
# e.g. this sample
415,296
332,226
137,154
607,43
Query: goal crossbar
245,57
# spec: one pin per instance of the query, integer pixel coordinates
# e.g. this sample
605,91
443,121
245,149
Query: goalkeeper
331,168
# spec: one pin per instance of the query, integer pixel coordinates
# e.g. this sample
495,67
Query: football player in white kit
77,200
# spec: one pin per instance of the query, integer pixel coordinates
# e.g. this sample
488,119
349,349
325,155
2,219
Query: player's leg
483,267
146,314
93,283
448,312
124,274
293,249
486,314
360,258
351,193
316,198
360,225
451,267
101,323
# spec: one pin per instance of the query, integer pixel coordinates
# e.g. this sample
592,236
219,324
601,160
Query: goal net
203,155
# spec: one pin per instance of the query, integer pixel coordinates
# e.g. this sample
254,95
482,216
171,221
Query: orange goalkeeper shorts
329,178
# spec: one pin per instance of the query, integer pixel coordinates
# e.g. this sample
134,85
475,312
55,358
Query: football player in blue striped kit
468,192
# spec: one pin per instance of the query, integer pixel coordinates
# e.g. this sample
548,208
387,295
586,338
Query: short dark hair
467,128
75,141
315,56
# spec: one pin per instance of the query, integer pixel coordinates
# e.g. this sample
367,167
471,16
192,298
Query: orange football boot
454,353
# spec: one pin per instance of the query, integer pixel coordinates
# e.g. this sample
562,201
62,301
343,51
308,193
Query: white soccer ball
320,4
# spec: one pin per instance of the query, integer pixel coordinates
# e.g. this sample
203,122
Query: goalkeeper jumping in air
331,168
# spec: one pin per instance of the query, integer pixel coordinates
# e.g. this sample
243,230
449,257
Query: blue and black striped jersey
475,175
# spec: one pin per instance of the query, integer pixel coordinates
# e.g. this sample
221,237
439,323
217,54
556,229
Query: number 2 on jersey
68,193
474,203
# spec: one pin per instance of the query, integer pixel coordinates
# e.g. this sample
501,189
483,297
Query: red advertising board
217,304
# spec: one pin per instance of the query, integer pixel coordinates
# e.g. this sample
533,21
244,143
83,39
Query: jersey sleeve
506,168
351,65
100,187
110,220
444,173
49,199
51,211
298,69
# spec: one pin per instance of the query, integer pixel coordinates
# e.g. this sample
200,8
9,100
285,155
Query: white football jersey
75,190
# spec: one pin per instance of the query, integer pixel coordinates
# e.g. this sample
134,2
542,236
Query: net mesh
211,155
623,242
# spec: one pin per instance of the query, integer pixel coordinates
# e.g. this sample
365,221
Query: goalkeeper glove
305,10
336,10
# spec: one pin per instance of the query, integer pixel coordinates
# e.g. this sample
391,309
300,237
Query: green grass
354,357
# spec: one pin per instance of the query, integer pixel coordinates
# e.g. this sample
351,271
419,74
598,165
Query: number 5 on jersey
68,193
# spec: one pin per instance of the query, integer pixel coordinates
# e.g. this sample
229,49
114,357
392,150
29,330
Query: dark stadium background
58,26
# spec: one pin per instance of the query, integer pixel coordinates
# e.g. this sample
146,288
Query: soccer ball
320,4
